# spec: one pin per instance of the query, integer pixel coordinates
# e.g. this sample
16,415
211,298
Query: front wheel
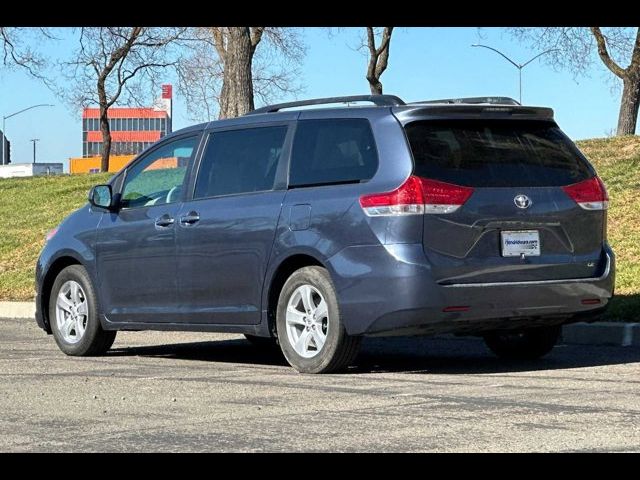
310,330
527,344
73,315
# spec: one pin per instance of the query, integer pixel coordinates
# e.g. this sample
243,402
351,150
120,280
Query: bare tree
378,56
615,47
230,66
114,64
17,49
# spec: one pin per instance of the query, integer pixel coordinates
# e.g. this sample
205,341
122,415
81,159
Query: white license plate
514,244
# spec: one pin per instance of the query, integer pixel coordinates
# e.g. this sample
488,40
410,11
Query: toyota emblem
522,201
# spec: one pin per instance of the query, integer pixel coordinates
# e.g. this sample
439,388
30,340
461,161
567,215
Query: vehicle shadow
431,355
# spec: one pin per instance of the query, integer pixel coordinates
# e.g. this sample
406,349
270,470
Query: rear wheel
73,315
528,344
310,330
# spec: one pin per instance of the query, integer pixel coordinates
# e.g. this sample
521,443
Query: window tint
158,177
332,151
495,153
240,161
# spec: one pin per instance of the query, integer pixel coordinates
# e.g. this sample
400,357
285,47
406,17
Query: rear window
495,153
332,151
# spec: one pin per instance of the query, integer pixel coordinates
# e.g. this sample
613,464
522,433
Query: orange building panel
126,136
118,112
92,164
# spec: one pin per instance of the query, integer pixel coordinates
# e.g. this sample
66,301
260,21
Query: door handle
190,218
165,221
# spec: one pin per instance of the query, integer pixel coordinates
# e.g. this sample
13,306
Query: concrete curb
596,333
602,333
20,310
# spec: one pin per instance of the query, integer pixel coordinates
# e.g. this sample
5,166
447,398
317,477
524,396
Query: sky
425,63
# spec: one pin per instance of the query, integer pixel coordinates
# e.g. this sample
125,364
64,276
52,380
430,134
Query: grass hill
29,207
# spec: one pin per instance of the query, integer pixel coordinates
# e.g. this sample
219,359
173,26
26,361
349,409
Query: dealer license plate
516,243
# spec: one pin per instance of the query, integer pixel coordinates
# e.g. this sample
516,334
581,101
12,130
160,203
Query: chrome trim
606,273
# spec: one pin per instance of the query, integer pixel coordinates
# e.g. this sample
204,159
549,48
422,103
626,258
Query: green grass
618,163
29,207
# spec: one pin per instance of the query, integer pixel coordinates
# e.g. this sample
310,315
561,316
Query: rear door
519,222
225,231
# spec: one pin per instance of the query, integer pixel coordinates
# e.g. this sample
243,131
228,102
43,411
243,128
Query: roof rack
473,100
378,100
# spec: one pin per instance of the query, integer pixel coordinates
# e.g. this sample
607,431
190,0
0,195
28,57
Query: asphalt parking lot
159,391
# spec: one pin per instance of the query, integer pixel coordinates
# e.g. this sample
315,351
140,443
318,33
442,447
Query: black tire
261,342
95,341
528,344
339,349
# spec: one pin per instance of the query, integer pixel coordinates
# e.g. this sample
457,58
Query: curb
19,310
602,333
596,333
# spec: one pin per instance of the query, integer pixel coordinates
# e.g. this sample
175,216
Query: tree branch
634,66
256,36
604,53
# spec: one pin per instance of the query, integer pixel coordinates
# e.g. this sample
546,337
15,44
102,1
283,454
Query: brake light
590,194
441,197
405,200
415,197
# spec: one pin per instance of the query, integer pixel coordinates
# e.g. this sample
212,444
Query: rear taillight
405,200
590,194
441,197
415,197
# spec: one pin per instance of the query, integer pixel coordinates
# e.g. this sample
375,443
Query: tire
337,348
261,342
74,341
528,344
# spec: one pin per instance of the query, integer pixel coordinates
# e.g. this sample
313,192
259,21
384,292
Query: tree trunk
378,58
106,140
104,122
628,115
375,86
236,96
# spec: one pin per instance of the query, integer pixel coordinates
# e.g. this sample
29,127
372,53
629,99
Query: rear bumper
388,290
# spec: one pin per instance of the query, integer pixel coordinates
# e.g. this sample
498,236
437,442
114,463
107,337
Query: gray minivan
314,227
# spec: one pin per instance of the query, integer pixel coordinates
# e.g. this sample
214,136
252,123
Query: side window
240,161
157,179
332,151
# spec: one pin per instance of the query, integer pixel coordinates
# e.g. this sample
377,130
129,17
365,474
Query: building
5,150
30,169
132,131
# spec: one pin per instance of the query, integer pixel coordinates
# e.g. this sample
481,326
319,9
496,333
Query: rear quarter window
496,153
332,151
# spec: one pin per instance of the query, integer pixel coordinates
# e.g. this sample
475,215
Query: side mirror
100,196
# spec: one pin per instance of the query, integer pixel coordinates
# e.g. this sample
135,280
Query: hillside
29,207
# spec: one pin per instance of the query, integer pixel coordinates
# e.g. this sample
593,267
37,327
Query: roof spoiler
471,101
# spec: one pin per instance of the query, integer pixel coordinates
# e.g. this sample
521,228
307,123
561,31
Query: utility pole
34,140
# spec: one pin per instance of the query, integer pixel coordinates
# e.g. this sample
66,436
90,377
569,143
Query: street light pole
34,140
4,130
519,66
